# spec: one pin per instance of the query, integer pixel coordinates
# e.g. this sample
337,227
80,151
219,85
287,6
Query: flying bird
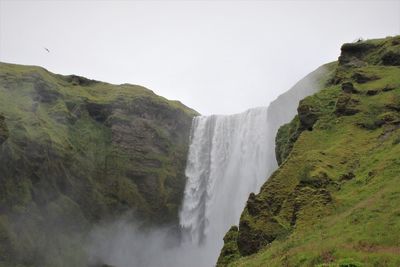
45,48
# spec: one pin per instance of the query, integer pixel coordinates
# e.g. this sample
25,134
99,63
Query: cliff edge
334,200
74,152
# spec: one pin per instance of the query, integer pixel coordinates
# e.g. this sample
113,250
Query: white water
228,159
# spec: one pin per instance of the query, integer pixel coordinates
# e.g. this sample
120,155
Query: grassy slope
335,199
75,151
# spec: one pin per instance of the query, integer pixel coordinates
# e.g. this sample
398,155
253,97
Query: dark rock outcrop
353,53
361,77
308,115
348,87
346,105
391,58
230,252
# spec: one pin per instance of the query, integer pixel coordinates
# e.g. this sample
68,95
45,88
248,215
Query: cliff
334,200
74,152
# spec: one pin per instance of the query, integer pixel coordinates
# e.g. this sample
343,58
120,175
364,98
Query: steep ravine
334,200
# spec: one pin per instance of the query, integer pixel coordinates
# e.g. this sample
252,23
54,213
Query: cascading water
228,159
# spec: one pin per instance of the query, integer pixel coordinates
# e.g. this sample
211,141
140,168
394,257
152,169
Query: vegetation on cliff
334,201
75,151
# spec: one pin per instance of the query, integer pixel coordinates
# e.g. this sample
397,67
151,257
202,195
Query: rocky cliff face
335,197
73,152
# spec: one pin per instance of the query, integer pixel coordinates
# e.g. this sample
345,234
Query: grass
336,191
75,148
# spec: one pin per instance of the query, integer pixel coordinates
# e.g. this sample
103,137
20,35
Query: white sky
215,56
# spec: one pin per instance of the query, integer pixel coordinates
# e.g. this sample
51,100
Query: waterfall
228,159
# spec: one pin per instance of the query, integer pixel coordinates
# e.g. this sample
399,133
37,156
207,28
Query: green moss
230,251
71,147
336,191
285,138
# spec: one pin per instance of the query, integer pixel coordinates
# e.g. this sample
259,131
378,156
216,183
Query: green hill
335,198
75,151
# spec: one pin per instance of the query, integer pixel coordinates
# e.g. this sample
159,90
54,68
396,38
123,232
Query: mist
231,61
128,243
229,157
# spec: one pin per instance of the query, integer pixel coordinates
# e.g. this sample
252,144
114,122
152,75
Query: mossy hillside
74,151
279,113
334,199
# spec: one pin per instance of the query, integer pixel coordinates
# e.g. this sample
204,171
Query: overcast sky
214,56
